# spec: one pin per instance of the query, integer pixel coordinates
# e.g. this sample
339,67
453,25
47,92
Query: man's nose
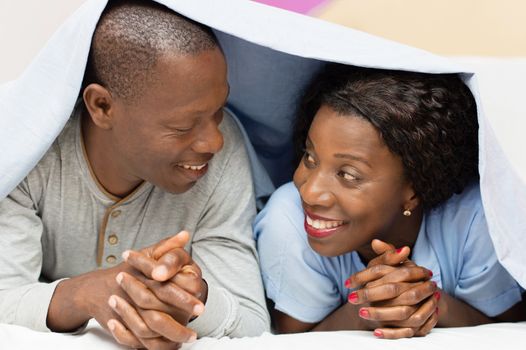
210,139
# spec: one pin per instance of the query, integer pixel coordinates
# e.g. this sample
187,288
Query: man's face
168,135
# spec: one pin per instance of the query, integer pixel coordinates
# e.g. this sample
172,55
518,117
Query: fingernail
364,313
112,301
160,272
434,284
348,283
399,250
119,278
436,310
188,269
378,333
430,273
437,296
111,325
125,255
192,338
198,309
353,297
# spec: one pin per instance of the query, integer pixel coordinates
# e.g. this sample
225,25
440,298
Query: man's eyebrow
352,157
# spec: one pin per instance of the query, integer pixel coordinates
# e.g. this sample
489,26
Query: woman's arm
456,313
344,318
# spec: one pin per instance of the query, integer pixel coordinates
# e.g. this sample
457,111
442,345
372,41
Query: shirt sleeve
295,277
224,248
483,281
23,300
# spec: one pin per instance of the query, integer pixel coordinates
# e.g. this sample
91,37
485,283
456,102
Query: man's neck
104,165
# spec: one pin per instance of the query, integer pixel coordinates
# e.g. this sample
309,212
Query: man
148,152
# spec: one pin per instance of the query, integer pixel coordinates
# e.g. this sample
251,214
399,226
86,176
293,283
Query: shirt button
115,213
111,259
113,239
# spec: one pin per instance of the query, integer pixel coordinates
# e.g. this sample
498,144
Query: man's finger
160,344
140,262
178,241
131,318
122,335
166,326
165,292
140,294
402,274
170,263
189,279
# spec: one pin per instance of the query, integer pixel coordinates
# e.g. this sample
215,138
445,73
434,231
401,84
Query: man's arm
224,249
63,305
23,299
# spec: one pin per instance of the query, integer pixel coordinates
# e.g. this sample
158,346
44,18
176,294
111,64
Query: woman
388,156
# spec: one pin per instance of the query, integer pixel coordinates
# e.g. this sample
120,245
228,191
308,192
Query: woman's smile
320,227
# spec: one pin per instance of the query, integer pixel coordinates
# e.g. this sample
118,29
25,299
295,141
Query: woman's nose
316,191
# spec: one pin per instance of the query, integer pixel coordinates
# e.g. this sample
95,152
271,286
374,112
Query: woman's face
352,187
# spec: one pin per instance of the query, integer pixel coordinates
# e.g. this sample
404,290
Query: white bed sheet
490,337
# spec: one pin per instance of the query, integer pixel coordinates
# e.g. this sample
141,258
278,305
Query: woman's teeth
323,224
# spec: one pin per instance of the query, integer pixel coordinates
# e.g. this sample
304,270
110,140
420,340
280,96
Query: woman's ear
100,105
411,199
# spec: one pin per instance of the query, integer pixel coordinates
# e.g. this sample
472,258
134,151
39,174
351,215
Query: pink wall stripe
301,6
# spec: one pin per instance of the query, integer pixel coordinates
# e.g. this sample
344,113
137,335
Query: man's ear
100,105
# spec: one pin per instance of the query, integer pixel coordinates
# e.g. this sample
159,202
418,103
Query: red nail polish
348,283
378,333
353,297
430,273
399,250
434,284
436,311
364,313
437,296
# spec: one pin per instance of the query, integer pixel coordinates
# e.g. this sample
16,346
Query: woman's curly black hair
428,120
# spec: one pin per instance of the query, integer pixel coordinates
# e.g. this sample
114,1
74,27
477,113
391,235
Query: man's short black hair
428,120
131,36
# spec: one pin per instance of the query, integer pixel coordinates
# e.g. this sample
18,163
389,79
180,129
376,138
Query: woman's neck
403,233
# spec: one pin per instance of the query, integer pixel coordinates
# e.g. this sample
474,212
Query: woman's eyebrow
352,157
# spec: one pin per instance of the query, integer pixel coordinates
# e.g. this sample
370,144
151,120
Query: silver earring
407,212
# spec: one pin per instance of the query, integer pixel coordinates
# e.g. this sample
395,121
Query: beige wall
448,27
25,26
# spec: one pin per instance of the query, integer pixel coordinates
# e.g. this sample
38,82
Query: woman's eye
348,176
